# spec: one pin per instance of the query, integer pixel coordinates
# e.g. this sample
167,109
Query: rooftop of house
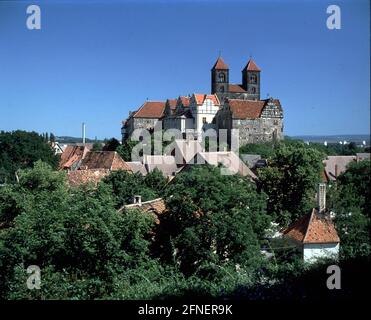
165,163
71,155
230,160
79,177
185,150
201,97
137,166
184,100
236,88
151,109
335,165
171,103
104,160
155,207
249,109
363,156
313,227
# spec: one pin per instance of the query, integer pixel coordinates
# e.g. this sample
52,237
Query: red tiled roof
172,103
154,207
184,100
236,88
249,109
78,177
104,160
246,109
151,109
251,66
335,165
200,98
71,155
313,227
220,64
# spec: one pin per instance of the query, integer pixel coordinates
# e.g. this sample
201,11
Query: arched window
253,90
221,89
221,77
253,78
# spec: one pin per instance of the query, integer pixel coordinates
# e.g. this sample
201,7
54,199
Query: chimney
83,133
336,170
138,200
321,197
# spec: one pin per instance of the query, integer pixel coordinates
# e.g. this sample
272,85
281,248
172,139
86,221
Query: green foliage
350,200
212,218
266,150
111,145
290,180
75,236
125,185
97,146
125,149
155,180
19,150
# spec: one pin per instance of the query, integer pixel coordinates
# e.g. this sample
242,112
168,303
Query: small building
155,207
109,160
336,165
314,233
228,159
363,156
72,156
146,117
92,176
185,150
165,164
257,121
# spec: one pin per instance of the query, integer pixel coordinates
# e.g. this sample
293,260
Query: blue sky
93,61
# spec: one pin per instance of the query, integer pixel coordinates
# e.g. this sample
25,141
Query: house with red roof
314,233
146,117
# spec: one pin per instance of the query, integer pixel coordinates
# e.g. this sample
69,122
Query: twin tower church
228,106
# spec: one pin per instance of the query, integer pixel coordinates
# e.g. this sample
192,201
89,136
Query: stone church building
229,106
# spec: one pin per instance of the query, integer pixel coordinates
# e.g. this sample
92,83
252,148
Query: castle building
229,106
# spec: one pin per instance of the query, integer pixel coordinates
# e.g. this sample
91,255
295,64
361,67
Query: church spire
251,66
220,64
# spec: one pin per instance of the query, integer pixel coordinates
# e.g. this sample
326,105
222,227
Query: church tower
251,80
220,79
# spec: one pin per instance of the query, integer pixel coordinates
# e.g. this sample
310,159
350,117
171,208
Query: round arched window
221,77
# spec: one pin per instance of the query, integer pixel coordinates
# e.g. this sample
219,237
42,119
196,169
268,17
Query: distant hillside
357,138
67,139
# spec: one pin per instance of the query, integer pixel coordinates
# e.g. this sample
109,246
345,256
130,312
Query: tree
350,200
155,180
125,185
76,237
19,150
266,150
97,146
125,149
111,145
290,181
52,137
211,218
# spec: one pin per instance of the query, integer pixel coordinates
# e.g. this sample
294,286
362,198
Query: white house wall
311,252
